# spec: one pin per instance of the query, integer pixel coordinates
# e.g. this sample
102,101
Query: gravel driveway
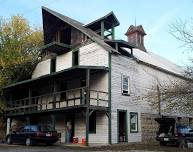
114,148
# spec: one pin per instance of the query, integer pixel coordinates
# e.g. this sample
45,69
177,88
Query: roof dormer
104,26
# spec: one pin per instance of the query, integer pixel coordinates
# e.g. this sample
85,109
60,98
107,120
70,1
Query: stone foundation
149,127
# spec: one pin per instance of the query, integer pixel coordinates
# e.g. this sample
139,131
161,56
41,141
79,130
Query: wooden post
159,100
102,29
88,87
113,33
87,126
54,94
87,104
53,121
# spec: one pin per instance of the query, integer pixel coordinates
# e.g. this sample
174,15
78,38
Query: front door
69,128
122,126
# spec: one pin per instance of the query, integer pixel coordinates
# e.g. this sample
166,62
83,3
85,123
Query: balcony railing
58,100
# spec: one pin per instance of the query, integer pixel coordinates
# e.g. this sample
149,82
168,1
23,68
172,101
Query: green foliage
19,45
19,49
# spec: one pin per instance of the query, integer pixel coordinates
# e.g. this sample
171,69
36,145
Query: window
75,58
53,65
92,123
133,122
125,85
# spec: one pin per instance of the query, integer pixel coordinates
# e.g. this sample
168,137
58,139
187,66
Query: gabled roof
110,21
91,34
157,61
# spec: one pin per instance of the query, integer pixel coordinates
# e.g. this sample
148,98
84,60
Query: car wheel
28,142
9,140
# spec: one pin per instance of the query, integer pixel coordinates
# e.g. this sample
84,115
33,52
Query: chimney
135,35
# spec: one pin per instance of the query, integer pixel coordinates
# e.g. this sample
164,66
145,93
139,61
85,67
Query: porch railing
58,100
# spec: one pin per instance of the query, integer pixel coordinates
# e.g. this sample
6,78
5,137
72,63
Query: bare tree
172,97
183,31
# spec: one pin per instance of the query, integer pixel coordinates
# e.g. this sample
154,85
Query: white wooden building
90,80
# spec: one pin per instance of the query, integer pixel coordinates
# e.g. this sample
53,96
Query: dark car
33,134
171,133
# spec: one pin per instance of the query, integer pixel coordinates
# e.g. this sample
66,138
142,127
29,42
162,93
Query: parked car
32,134
171,133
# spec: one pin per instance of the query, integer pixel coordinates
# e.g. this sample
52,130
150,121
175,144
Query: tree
183,31
172,97
19,49
176,96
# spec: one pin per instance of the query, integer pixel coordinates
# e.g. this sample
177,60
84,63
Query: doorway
122,126
69,128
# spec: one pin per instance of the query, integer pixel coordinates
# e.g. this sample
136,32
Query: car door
15,135
22,135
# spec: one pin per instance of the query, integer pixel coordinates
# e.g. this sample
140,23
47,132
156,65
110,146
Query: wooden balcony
69,99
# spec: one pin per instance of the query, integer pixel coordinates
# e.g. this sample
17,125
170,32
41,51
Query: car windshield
184,129
32,128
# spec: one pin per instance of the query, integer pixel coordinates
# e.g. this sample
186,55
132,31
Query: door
122,126
69,128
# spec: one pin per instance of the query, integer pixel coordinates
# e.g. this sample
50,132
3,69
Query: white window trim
122,89
137,123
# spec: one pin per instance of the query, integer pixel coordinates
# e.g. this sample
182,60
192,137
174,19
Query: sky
155,17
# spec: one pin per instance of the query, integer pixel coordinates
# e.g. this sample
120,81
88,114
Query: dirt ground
112,148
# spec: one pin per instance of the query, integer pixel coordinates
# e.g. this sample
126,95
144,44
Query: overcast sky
154,15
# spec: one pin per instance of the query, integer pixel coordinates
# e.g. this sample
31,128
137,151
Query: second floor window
125,85
75,57
53,65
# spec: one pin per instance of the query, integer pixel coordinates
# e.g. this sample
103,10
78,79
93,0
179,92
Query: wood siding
101,135
42,68
93,55
64,61
142,78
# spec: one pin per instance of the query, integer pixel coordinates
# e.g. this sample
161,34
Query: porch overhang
70,72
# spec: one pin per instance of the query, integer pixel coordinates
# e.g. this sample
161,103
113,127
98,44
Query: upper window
53,65
75,57
125,85
133,122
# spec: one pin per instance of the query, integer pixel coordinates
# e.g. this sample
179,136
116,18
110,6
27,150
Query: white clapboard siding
142,78
93,55
42,68
101,135
64,61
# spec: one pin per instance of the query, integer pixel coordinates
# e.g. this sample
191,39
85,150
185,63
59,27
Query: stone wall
149,127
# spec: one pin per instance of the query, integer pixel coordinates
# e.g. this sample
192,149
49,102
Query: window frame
128,85
137,123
